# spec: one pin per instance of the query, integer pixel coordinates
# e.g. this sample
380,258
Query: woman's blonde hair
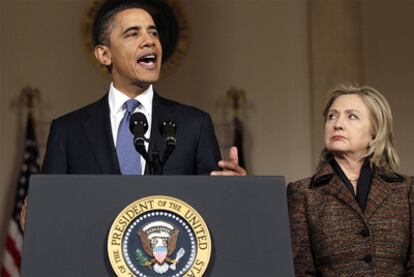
381,152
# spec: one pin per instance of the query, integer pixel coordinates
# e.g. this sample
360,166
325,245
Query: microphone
168,129
138,125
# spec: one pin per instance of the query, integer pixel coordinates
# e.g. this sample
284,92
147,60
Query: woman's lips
337,137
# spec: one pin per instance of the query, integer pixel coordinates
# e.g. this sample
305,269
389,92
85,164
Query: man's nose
149,41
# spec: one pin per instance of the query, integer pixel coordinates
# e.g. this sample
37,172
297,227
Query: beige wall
335,55
388,28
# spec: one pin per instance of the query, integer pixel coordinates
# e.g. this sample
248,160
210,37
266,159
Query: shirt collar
117,99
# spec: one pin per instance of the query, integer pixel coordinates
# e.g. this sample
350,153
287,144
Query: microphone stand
154,163
152,157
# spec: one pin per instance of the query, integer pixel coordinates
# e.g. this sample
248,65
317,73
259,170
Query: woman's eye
352,116
331,116
154,33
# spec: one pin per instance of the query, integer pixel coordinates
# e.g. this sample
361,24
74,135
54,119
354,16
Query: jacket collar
97,127
382,186
383,183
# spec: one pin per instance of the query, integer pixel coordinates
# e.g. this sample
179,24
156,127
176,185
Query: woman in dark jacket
355,216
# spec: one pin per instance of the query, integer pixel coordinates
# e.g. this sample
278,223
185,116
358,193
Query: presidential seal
159,236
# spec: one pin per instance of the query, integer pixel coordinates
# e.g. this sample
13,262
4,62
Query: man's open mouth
148,60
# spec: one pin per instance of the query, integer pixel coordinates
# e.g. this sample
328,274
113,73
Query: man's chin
146,82
151,77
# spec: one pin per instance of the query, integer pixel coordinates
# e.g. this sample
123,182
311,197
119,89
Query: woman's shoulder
396,179
299,185
322,177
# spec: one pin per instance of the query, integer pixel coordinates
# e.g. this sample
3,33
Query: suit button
368,258
364,232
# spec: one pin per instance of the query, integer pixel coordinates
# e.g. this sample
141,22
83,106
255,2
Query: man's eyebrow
133,28
152,27
137,28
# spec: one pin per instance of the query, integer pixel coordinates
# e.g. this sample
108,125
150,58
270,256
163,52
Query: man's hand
231,167
22,217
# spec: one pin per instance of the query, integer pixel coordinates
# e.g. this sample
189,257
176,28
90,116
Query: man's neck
132,91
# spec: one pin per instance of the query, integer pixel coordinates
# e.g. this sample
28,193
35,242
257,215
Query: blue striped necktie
129,159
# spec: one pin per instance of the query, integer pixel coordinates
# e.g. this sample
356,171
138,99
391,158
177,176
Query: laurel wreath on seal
141,259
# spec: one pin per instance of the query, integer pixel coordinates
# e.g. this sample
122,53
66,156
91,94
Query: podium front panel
69,217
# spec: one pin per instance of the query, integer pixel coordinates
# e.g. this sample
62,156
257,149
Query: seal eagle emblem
159,240
159,236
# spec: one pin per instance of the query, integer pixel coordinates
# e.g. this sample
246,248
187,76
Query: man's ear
103,54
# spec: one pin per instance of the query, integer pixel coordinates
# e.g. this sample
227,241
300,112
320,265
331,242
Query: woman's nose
338,123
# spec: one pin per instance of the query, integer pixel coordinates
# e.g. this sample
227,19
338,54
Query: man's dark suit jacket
81,142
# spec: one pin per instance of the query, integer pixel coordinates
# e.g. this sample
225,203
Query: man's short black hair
108,10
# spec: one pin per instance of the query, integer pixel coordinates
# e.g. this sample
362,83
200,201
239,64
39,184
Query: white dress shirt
117,110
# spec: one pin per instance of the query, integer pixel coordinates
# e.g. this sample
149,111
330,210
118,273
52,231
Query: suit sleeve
55,157
299,230
410,263
208,152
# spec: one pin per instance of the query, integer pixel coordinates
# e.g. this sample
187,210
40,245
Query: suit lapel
161,110
98,130
379,191
381,187
336,188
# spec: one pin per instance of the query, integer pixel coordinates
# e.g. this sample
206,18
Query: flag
238,140
13,250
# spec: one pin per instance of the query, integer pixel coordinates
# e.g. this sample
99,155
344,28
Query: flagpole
29,97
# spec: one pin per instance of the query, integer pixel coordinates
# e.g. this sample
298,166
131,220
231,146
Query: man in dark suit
81,142
84,141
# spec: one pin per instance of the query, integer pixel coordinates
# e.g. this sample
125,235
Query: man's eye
132,34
